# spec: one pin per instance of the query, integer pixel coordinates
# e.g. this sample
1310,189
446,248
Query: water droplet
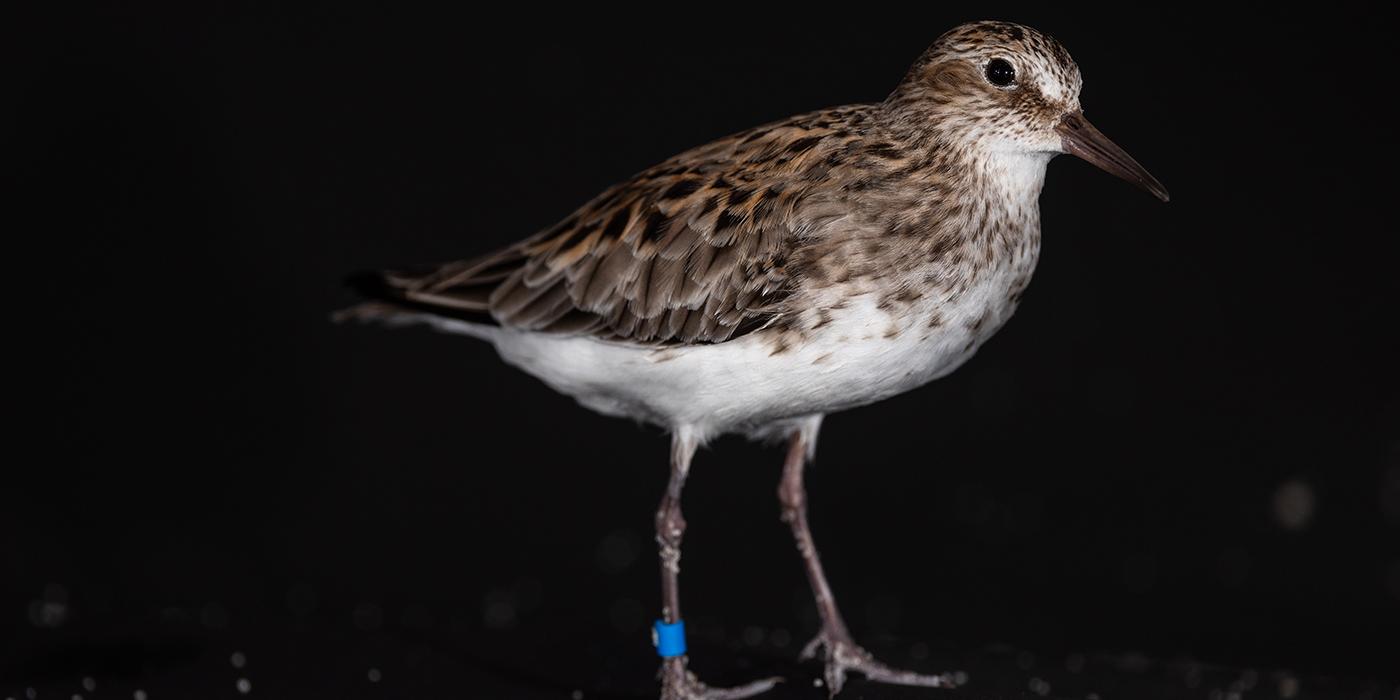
244,686
960,678
1294,504
375,675
238,659
50,609
138,695
89,684
576,695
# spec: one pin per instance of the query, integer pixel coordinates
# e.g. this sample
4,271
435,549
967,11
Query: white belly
863,355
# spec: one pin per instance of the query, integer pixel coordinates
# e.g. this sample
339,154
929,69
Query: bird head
1005,88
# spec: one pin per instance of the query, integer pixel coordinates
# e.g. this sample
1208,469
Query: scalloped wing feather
693,250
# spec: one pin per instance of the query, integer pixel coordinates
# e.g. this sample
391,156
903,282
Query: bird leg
677,682
841,652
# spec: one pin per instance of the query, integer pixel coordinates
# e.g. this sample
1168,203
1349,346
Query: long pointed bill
1083,140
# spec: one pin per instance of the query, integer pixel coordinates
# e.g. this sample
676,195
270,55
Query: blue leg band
669,639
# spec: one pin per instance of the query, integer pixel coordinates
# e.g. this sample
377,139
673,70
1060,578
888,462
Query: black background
199,459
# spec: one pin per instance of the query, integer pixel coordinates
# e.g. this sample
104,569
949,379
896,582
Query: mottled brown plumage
722,240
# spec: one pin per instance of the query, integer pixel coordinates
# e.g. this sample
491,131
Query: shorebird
754,284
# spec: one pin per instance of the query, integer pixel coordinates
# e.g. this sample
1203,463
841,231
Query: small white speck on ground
816,682
51,609
138,695
89,684
1294,504
244,686
374,675
238,659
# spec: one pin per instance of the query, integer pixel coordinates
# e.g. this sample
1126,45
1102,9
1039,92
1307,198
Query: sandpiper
757,283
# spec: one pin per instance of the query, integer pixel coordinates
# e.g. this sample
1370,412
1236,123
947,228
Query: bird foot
843,655
678,683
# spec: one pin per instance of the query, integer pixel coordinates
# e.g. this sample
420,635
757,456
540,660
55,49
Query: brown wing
690,251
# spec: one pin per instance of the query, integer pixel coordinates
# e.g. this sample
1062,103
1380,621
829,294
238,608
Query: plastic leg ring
669,639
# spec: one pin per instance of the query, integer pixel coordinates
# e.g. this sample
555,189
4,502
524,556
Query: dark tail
388,300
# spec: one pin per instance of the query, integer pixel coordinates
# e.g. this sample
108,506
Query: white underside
743,386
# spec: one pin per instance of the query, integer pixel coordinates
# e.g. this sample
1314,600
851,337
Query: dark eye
1000,73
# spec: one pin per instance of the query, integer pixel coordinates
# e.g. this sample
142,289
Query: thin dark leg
841,652
677,682
670,528
792,493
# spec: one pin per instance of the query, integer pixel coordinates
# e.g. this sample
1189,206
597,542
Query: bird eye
1000,73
